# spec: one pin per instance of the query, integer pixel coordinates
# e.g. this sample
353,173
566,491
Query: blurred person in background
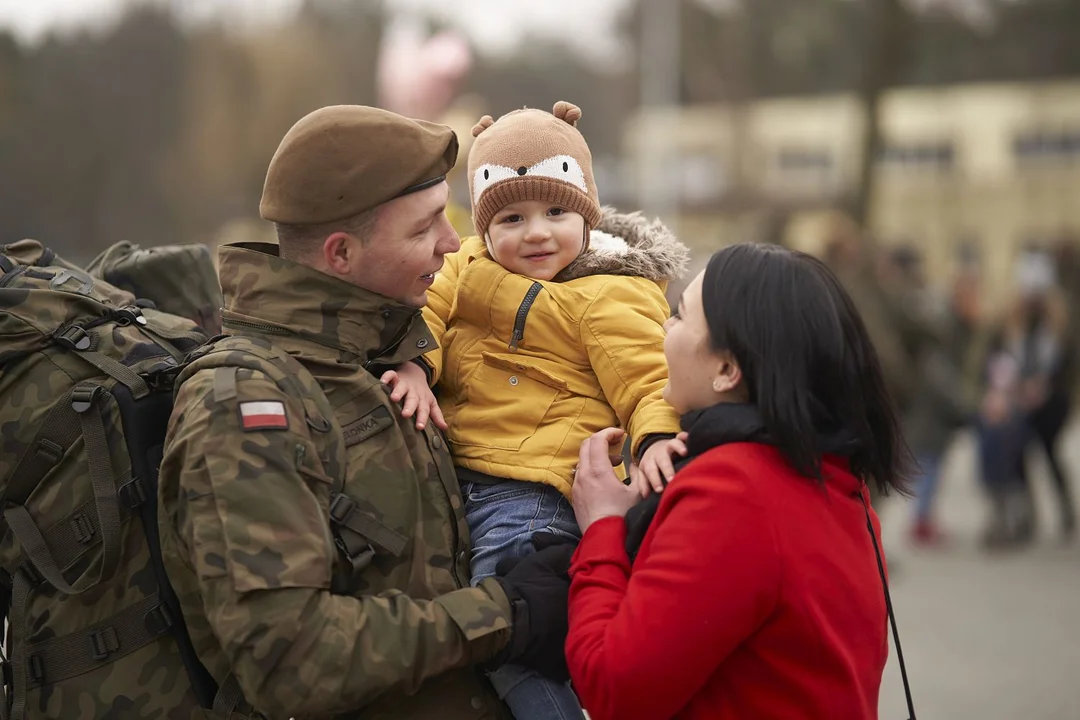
751,586
857,263
1066,252
421,77
939,340
1027,399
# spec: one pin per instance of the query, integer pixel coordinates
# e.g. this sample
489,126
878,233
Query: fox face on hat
531,155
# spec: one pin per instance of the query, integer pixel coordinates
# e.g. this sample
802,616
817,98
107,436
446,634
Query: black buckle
341,508
32,574
34,669
82,397
73,337
130,314
52,452
359,561
83,528
131,494
104,642
159,620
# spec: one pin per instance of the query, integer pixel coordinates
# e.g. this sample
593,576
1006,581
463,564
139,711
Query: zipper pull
517,337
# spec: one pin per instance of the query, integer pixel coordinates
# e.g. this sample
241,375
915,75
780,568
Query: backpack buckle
360,560
82,397
34,669
72,337
159,620
32,575
131,494
104,642
130,314
341,508
82,528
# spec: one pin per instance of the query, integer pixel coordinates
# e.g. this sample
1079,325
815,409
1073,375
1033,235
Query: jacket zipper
522,313
272,329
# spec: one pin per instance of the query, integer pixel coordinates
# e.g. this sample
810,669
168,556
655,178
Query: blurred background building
928,150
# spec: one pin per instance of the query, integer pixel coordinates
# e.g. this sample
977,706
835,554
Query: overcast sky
496,26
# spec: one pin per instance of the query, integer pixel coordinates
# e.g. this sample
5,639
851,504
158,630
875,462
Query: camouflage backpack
180,279
94,628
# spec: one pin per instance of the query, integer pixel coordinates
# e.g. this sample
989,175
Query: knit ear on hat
567,112
484,123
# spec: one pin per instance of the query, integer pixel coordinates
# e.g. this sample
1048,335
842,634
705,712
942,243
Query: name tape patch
368,426
263,415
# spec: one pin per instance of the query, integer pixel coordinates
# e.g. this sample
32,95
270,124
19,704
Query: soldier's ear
337,251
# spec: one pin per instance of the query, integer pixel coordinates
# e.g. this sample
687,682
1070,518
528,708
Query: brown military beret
341,160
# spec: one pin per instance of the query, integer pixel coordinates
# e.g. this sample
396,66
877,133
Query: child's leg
502,518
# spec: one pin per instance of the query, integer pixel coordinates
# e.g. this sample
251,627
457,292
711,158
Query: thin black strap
228,699
892,615
85,401
20,596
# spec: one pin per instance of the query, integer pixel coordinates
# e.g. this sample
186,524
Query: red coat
756,594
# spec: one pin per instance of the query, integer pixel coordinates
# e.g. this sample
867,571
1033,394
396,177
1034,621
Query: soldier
315,537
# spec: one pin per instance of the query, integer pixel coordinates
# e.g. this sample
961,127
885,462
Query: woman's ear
728,377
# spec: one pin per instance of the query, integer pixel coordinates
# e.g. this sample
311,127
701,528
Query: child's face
536,239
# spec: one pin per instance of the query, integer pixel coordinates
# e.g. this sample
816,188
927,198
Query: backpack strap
353,529
77,338
80,413
57,659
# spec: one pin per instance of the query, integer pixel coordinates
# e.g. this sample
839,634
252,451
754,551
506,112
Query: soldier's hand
657,466
409,386
538,587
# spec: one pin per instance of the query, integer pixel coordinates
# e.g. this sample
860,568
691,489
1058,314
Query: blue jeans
927,484
1001,452
502,518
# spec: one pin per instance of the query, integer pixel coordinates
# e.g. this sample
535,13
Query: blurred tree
91,120
888,40
155,132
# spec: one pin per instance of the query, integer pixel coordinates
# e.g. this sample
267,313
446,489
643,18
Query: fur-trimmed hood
630,244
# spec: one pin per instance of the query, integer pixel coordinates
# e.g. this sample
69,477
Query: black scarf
712,427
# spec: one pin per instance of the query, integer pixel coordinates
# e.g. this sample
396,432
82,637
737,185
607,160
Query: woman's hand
598,492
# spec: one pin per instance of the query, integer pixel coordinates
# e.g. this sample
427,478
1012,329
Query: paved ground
986,637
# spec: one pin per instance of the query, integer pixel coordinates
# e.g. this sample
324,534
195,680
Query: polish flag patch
263,415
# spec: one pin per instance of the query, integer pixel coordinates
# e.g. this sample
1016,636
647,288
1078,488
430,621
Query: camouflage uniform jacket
244,513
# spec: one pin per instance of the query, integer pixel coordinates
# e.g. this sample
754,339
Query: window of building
938,156
1047,145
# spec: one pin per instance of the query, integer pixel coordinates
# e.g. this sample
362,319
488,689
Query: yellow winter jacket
526,370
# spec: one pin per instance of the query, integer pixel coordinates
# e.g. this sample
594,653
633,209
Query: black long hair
806,359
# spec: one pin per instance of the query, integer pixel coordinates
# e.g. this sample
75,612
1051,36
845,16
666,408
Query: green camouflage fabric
32,252
247,515
89,632
178,279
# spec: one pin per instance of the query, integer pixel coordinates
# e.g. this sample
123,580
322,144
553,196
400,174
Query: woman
755,591
1027,400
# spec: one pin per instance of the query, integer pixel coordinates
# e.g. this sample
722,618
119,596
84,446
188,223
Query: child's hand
657,466
409,382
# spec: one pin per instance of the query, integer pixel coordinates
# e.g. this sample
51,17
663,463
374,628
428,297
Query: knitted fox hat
531,155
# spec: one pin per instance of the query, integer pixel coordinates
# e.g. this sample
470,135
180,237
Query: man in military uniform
315,537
